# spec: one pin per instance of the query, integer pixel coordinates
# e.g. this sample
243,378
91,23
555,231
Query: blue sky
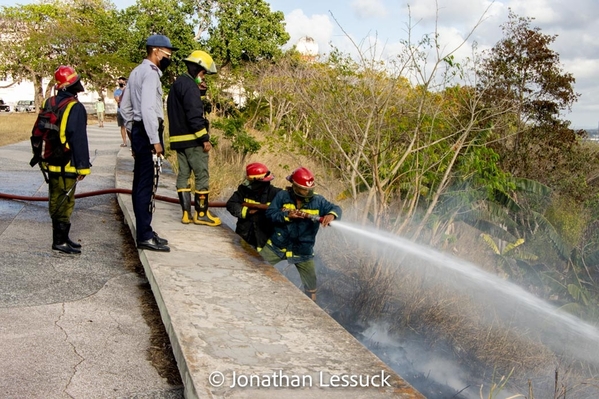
576,22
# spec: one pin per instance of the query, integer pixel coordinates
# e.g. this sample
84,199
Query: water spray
582,338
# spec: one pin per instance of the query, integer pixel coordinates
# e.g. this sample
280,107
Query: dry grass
15,127
227,168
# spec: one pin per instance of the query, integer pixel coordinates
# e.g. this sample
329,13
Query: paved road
71,326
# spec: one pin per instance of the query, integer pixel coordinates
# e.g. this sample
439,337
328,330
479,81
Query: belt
140,123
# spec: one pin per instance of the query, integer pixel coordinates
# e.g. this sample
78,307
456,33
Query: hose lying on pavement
103,192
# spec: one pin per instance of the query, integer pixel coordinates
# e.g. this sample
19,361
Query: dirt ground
160,353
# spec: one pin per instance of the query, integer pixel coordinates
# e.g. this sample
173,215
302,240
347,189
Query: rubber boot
185,201
60,233
203,215
311,294
71,243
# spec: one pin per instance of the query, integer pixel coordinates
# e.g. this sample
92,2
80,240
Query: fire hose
214,204
104,192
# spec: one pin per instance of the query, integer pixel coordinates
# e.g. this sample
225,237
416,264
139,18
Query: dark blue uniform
294,239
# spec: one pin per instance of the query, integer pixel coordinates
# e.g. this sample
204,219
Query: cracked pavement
71,326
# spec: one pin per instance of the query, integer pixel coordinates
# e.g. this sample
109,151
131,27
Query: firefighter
62,181
297,212
249,203
188,134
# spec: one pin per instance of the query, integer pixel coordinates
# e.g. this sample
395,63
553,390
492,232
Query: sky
575,22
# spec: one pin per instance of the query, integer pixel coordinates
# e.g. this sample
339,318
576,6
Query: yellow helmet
203,59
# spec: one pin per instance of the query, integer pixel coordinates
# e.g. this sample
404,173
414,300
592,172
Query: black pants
143,180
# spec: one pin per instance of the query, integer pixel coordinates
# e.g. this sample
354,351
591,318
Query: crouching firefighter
297,213
249,203
188,134
59,141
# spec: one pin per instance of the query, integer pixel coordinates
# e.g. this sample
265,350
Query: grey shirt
142,101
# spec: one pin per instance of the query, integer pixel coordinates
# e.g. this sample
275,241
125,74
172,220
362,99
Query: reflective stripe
188,137
63,123
311,211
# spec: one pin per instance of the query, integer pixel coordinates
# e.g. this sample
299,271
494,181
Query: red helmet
303,182
65,76
258,172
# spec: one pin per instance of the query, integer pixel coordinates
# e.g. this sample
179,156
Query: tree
174,19
41,37
243,30
396,136
523,68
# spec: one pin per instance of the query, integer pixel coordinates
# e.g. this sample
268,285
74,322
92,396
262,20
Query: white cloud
450,12
369,9
318,26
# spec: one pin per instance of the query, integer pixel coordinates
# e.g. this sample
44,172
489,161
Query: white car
25,106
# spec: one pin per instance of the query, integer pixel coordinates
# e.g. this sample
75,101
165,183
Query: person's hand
207,146
158,149
295,214
327,219
80,177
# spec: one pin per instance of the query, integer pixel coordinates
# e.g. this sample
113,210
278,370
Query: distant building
308,48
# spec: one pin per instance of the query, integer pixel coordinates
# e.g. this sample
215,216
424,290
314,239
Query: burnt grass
395,356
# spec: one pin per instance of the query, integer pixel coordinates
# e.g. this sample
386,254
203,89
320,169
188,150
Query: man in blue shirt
143,113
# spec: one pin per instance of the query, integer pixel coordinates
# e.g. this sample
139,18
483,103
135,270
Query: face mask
259,185
121,85
164,63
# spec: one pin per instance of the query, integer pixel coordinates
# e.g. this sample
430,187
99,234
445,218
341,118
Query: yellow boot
185,201
203,215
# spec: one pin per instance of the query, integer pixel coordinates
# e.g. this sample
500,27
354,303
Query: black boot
71,243
185,201
203,215
60,233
